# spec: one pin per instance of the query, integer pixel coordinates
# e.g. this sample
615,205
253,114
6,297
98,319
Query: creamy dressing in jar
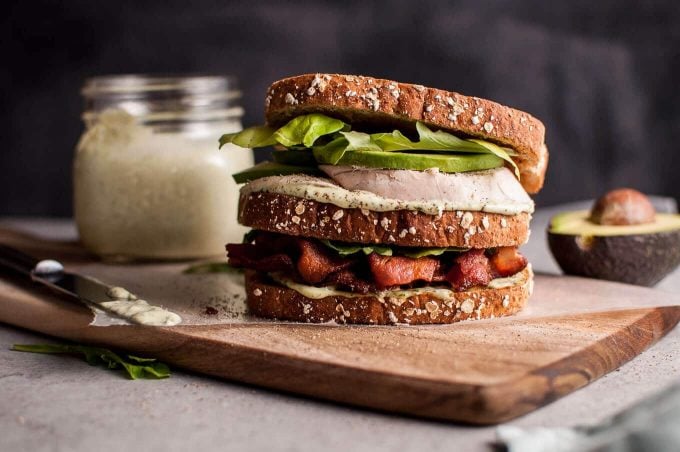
149,179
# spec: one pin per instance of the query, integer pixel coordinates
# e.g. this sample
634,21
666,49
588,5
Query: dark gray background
602,75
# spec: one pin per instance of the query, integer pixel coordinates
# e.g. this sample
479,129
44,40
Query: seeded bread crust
308,218
371,102
266,298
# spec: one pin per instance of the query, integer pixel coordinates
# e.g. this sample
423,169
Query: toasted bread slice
377,104
291,215
268,298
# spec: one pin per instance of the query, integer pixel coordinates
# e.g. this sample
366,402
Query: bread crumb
467,220
319,82
467,306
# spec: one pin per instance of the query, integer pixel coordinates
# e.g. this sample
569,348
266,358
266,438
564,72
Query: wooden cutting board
480,372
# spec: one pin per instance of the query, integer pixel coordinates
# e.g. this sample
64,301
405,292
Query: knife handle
13,259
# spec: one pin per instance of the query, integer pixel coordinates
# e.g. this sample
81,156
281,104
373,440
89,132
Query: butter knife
90,291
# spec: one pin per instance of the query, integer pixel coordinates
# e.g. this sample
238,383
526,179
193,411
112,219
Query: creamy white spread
129,307
395,296
432,192
139,193
139,311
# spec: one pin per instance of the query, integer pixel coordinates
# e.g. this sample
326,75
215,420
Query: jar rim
197,83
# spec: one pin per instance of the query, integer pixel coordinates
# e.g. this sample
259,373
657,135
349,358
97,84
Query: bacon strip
471,269
315,263
311,262
250,256
507,261
391,271
350,281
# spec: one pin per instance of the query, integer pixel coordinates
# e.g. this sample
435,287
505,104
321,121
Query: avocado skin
641,259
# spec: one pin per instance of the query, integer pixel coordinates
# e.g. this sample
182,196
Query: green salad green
315,138
135,366
345,249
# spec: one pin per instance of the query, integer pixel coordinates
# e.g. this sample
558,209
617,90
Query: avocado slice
641,254
448,163
266,169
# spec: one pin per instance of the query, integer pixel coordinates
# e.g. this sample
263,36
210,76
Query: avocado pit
621,207
621,239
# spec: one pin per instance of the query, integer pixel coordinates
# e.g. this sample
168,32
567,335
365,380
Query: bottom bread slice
271,296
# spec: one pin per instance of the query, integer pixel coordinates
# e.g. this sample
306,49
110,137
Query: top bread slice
377,104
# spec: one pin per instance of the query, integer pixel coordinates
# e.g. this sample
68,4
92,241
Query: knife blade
85,289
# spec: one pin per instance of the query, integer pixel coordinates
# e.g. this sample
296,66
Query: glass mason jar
149,179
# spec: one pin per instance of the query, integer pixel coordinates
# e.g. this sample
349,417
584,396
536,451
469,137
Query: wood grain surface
480,372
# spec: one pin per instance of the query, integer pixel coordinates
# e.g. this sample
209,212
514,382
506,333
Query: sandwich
386,203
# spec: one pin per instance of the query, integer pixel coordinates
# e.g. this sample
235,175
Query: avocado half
640,254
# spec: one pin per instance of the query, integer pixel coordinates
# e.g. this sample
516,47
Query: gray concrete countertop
57,403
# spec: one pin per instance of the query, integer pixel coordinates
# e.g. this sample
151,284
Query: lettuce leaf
423,252
358,141
303,130
252,137
501,152
135,366
428,140
306,129
440,141
346,249
331,152
304,133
